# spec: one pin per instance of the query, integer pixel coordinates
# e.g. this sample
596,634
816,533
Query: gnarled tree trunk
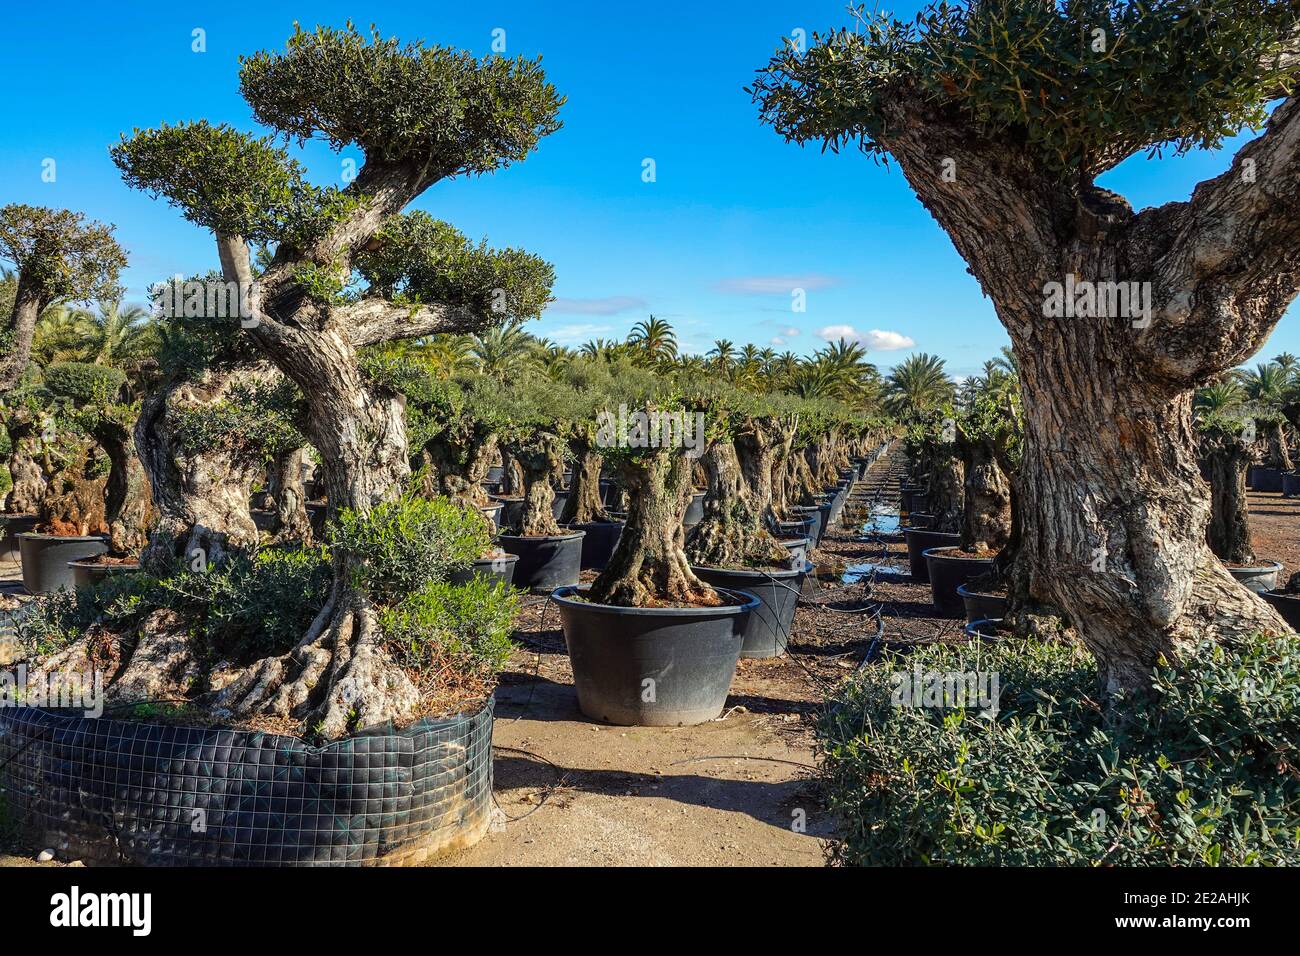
584,504
25,467
1228,533
732,533
289,494
128,505
541,460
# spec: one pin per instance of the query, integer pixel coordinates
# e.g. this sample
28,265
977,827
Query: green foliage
434,106
424,260
401,546
465,627
61,256
257,416
1203,772
1179,73
82,384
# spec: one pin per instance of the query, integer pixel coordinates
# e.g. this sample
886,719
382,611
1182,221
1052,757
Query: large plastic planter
599,543
500,568
920,520
45,559
512,511
949,569
495,473
653,667
557,505
13,526
1288,605
798,548
119,792
767,631
918,540
980,606
1268,479
1258,577
546,562
1290,484
86,575
814,515
493,513
694,511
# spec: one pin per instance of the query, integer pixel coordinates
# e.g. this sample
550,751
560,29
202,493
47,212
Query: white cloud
877,340
776,340
784,285
609,305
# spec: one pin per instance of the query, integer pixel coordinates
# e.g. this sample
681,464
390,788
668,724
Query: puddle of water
863,569
882,522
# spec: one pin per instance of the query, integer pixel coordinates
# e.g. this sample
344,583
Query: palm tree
504,350
1219,396
1287,361
656,338
118,336
722,355
917,386
1267,384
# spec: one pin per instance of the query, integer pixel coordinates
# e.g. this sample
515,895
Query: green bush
1203,771
406,544
84,384
465,627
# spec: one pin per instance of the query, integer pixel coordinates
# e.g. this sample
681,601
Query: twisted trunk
541,461
733,533
28,304
289,493
649,567
945,496
460,465
201,493
128,506
1228,533
29,478
986,509
584,504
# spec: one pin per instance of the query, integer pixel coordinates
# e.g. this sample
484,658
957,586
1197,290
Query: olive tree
1001,116
350,269
59,257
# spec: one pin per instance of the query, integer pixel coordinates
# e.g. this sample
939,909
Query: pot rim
1256,568
87,563
930,553
967,592
756,573
954,534
1280,594
541,537
41,535
564,596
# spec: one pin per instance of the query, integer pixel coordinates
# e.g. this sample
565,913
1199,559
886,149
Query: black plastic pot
1288,605
1290,484
767,629
601,537
491,487
546,562
609,491
906,497
493,514
807,528
500,568
88,575
920,520
557,506
1259,577
1268,479
988,629
949,569
496,473
798,548
264,520
981,606
316,515
814,515
653,667
918,541
45,559
512,511
14,525
694,511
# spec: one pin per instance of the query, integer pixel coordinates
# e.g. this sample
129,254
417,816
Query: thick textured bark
128,505
73,502
733,533
781,480
28,304
584,504
946,493
649,567
1116,512
986,509
541,459
29,477
459,464
1275,446
1228,533
287,491
201,494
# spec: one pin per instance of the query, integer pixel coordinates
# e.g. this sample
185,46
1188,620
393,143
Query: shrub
84,384
1204,770
448,628
406,544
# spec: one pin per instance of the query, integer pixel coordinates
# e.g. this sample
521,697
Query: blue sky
734,220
